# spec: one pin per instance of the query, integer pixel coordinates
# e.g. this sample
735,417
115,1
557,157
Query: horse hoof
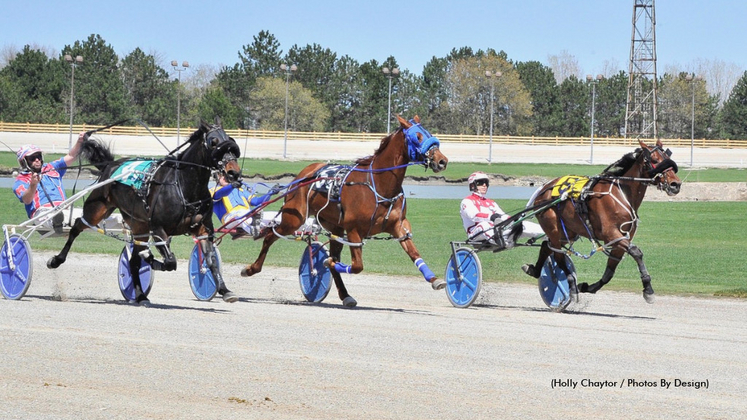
329,263
528,269
349,302
246,272
53,263
438,284
649,297
230,297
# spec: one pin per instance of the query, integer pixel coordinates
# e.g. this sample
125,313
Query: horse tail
96,153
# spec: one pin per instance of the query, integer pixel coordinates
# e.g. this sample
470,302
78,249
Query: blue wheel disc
201,279
313,276
553,284
462,291
14,282
125,277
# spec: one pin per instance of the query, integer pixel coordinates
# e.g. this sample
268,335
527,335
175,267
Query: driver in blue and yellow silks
232,202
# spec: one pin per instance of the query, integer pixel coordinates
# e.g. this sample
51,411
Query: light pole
491,76
179,70
288,71
593,100
389,75
78,59
692,79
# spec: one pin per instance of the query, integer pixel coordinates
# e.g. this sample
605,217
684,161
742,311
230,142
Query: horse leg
290,222
335,250
135,262
94,212
648,291
535,269
612,261
412,251
561,260
208,250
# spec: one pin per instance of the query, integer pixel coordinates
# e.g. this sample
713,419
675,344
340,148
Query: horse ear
204,126
659,144
403,122
643,145
218,121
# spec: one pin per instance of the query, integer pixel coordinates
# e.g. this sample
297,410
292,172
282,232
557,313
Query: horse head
222,149
659,166
422,146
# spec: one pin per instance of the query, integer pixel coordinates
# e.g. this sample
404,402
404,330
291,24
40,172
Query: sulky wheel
463,277
553,284
201,279
16,267
313,276
124,276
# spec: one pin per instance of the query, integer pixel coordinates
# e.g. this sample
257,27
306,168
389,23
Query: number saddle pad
572,184
141,171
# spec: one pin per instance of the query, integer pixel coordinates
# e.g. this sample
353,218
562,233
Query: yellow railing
323,136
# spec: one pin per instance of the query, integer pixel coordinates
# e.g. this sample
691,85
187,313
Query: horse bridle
225,151
656,172
418,151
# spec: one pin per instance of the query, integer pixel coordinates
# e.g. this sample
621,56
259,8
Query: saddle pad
572,184
332,177
140,168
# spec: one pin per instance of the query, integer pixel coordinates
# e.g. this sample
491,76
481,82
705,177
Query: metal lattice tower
640,110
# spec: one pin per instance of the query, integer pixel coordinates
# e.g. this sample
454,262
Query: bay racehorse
162,198
606,212
359,201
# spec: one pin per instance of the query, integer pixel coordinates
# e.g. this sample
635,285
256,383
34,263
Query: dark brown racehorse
609,216
369,201
172,199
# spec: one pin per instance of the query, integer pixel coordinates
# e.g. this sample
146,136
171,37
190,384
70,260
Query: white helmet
25,151
476,176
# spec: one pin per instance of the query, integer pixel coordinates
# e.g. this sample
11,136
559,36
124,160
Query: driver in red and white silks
480,213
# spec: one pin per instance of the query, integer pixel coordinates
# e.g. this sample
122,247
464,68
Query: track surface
73,349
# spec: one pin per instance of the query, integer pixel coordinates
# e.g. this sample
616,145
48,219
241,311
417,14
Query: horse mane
384,143
623,164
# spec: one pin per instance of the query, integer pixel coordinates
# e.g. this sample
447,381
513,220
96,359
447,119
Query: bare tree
564,66
721,76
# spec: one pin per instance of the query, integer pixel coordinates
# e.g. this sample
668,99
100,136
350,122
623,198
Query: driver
479,215
39,185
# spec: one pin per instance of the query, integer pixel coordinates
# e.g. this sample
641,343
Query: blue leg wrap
423,267
342,268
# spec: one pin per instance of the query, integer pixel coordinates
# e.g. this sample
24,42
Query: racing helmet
24,152
477,176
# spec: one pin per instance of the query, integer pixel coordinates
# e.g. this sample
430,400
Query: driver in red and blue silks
39,185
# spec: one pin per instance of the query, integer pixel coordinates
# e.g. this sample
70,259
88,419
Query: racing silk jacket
49,190
227,199
476,209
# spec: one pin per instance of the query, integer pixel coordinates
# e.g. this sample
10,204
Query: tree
469,97
575,99
262,56
150,92
100,93
346,111
564,65
305,113
540,82
34,84
734,111
611,100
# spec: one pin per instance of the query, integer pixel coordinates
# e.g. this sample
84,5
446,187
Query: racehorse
606,213
361,200
165,197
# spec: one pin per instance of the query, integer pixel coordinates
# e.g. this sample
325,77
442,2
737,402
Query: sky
595,32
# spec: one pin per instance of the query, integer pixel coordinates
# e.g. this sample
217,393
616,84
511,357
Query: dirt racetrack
73,349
